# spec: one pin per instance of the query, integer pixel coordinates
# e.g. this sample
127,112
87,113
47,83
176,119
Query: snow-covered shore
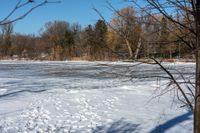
82,96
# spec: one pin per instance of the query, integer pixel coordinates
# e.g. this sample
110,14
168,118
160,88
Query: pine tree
164,39
100,39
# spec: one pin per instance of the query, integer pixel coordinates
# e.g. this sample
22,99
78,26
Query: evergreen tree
101,32
89,39
100,39
164,39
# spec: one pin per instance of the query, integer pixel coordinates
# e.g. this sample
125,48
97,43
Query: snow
88,97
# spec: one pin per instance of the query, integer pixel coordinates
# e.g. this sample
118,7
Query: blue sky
68,10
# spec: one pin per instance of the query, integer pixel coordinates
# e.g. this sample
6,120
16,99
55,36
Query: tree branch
20,5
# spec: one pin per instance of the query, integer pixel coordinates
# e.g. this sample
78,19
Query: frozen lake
95,97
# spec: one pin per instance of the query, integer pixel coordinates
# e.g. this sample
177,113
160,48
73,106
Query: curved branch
20,5
175,82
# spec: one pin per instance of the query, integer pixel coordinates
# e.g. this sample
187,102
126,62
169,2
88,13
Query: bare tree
6,22
7,30
186,30
197,93
189,28
125,24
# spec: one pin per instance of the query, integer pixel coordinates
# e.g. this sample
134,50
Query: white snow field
89,97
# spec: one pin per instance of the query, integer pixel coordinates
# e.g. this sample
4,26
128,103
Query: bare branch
19,6
176,83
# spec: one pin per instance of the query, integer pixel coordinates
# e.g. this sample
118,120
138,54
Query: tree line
128,35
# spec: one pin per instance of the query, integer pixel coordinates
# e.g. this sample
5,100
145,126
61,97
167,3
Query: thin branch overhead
19,5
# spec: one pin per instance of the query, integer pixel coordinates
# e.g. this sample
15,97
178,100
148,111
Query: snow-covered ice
88,97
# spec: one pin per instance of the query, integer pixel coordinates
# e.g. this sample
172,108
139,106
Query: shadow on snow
123,126
171,123
120,126
11,94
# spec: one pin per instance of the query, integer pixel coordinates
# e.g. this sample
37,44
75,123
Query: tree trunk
197,91
170,52
129,49
138,49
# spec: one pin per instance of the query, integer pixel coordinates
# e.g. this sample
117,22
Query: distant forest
126,36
